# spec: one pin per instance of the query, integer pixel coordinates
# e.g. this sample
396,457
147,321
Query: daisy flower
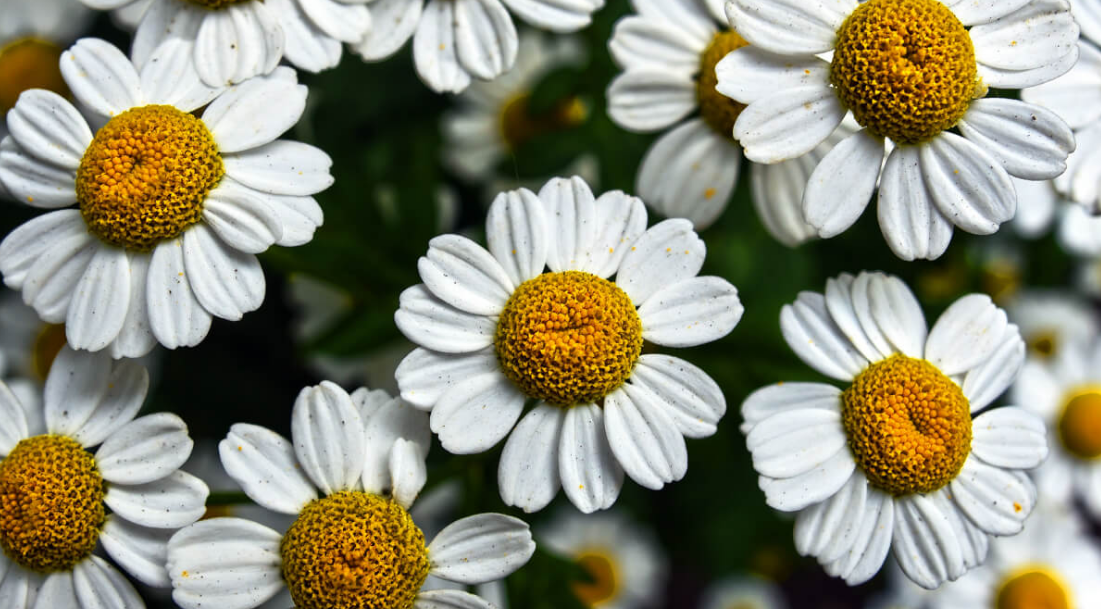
1066,393
455,41
626,565
497,331
894,461
668,52
348,476
901,593
1051,320
912,73
1077,232
743,592
28,345
61,501
1053,564
172,207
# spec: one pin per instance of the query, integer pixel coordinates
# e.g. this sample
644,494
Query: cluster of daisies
161,174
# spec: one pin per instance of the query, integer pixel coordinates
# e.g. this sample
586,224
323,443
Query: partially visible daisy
1066,393
743,592
895,461
901,592
627,567
349,474
1042,207
172,207
1049,321
28,345
668,52
536,320
1053,564
911,72
1087,277
61,501
458,41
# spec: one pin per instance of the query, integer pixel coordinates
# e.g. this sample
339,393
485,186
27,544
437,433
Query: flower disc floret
1080,425
905,68
29,63
145,176
717,110
568,338
605,581
354,550
519,125
908,425
51,504
1032,589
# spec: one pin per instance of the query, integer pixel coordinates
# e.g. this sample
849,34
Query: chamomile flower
61,501
1051,320
1042,207
496,331
911,72
28,345
626,565
172,207
668,52
743,592
894,461
457,41
354,466
1066,393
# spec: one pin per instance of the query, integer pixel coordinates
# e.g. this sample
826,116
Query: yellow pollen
29,63
48,343
354,550
568,338
909,425
906,68
145,176
1033,587
716,109
51,504
519,124
604,584
1080,423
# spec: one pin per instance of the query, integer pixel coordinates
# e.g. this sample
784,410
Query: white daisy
895,461
1065,392
1051,320
1053,564
668,52
28,345
743,592
901,593
61,502
1041,206
910,72
496,331
626,565
1087,277
156,248
455,41
352,469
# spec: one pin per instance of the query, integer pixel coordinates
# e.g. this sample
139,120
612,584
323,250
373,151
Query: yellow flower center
48,343
1080,424
29,63
354,550
519,124
717,110
905,68
1032,588
909,425
1043,344
145,176
604,584
51,504
568,338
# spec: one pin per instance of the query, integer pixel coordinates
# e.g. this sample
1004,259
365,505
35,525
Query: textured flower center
29,63
716,109
604,584
905,68
1032,589
48,343
354,550
909,425
145,176
519,124
1080,424
51,504
568,338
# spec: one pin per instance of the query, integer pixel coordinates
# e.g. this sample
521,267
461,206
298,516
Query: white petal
778,197
74,389
433,324
449,599
1067,95
174,501
621,219
306,46
869,549
1031,142
560,16
638,43
691,397
527,474
100,301
145,449
425,376
485,38
464,275
861,330
282,167
829,529
792,443
228,283
159,21
1009,437
691,312
788,124
408,471
571,223
13,422
687,16
175,316
127,385
33,181
344,22
811,332
591,475
518,235
480,549
925,544
643,437
101,77
842,184
263,463
820,483
650,99
169,77
98,585
476,414
401,18
998,501
141,551
17,589
242,218
255,112
228,563
56,591
49,128
791,27
972,12
49,284
434,49
886,302
783,397
667,253
1037,35
1020,79
966,334
385,425
328,437
237,43
998,371
136,339
750,73
967,184
300,216
912,225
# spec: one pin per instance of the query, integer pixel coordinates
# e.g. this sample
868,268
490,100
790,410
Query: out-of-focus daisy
1087,277
910,72
1041,207
626,565
668,52
901,593
456,41
1051,320
895,461
1053,564
28,345
61,502
172,207
354,466
497,330
1066,392
743,592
